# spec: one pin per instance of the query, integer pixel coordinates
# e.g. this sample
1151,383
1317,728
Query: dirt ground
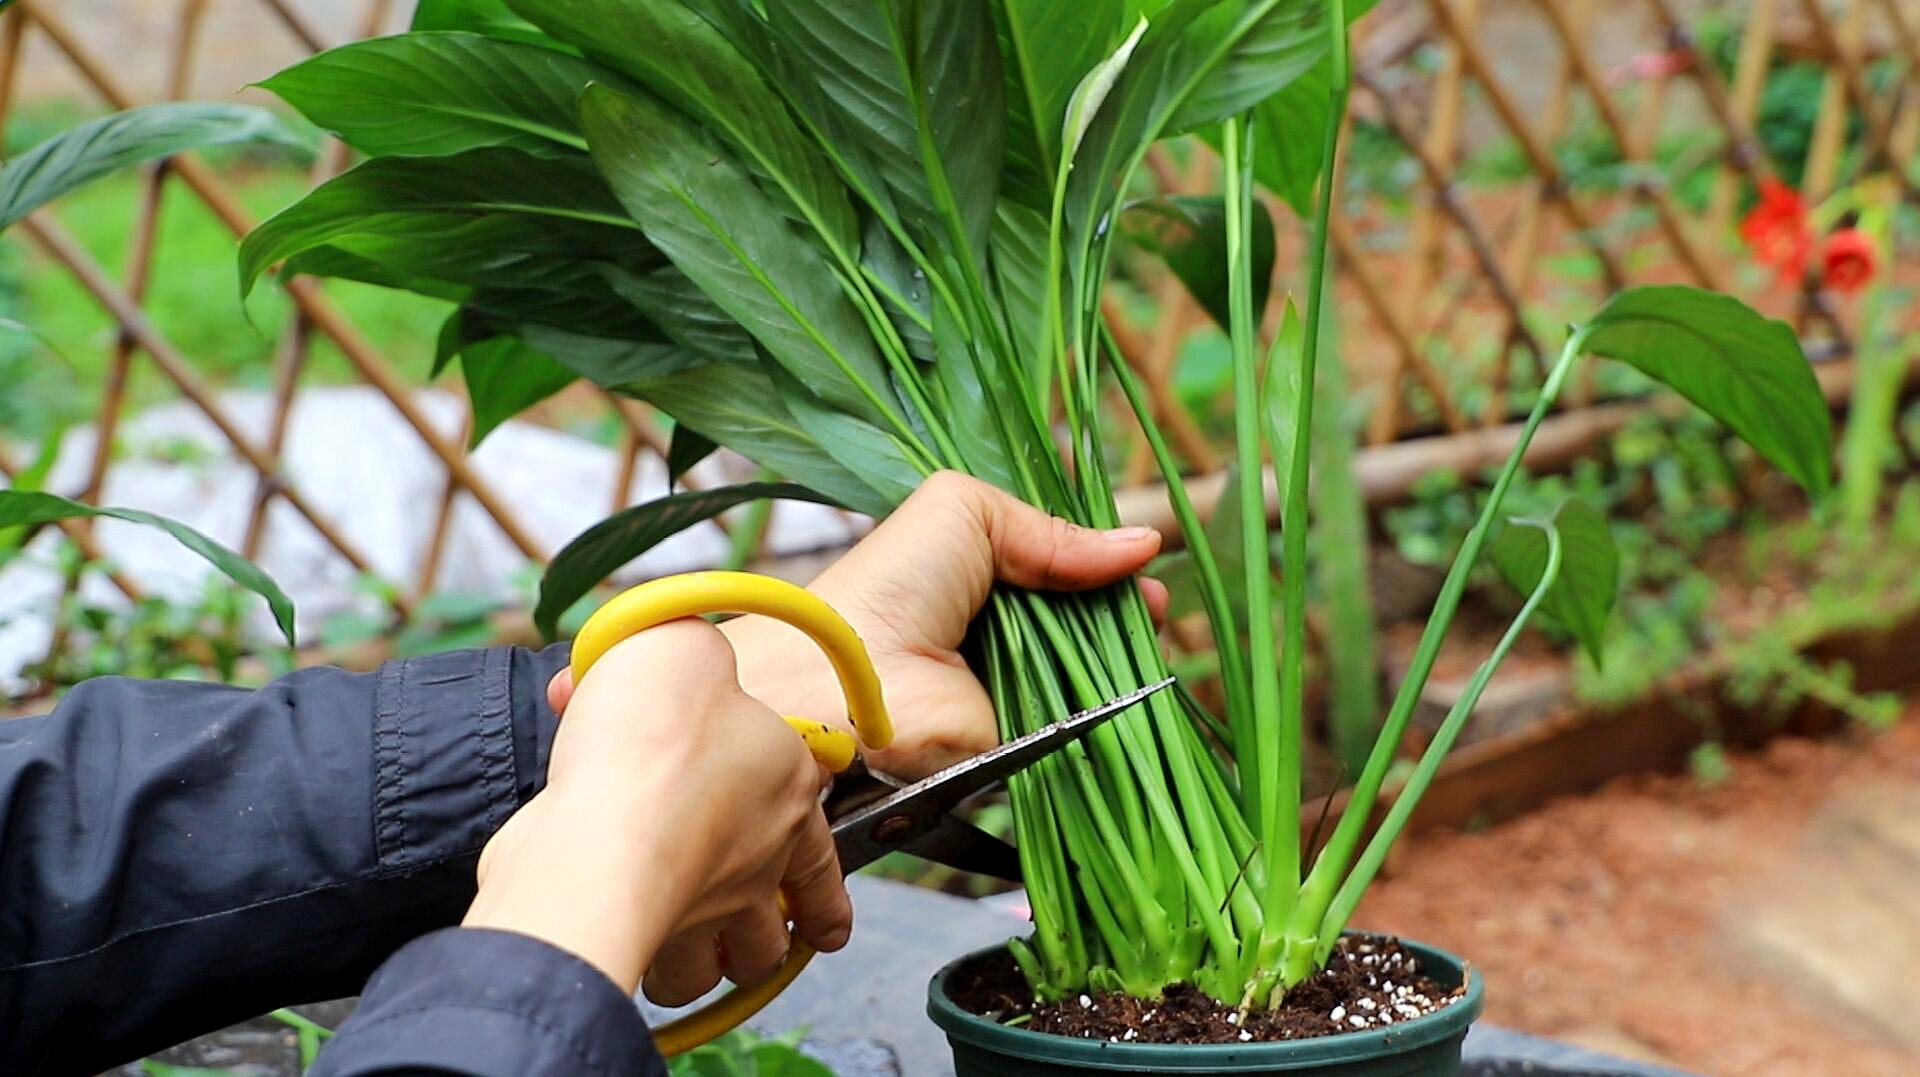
1605,918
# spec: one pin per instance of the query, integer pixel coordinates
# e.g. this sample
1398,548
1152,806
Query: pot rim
1442,1024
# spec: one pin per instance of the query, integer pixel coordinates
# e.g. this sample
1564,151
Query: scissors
869,813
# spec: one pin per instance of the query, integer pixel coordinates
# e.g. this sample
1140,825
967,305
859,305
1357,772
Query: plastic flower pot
1426,1046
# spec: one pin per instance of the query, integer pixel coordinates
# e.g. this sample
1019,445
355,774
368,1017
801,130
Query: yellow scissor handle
694,593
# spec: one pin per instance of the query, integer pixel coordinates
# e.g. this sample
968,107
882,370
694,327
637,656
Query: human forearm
217,851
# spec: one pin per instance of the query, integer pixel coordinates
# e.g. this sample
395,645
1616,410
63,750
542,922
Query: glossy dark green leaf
505,377
971,402
27,507
441,93
1189,232
1047,48
863,449
1239,54
433,252
686,448
708,216
683,58
687,315
893,70
607,362
1019,261
93,149
509,203
490,17
1743,369
599,551
1582,597
739,407
1292,129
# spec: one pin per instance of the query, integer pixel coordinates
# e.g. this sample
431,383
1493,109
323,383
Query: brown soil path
1623,918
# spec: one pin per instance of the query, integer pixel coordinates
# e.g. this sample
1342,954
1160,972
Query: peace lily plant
858,242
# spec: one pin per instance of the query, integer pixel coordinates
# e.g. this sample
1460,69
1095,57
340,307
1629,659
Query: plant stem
1317,893
1404,802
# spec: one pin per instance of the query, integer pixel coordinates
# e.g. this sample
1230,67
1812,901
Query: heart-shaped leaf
600,550
1582,597
1743,369
19,507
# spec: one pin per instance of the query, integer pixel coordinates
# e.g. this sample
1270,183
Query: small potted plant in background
860,242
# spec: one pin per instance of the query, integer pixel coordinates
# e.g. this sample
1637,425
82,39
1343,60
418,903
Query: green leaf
1229,552
685,448
427,94
687,315
93,149
490,17
492,210
689,63
1247,53
739,407
32,507
707,215
1048,47
1280,389
863,449
505,377
31,478
606,362
599,551
969,410
1293,127
1189,232
1582,597
894,72
1743,369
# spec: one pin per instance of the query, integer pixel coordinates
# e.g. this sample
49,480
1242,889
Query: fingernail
1128,534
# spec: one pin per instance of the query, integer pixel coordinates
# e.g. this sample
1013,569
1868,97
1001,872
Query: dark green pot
1423,1047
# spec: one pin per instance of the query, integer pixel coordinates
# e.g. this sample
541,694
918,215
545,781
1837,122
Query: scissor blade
870,832
964,847
971,776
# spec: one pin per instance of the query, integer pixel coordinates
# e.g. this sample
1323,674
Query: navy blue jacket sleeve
490,1004
175,857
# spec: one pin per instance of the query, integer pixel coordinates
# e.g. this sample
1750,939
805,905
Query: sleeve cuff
460,742
484,1002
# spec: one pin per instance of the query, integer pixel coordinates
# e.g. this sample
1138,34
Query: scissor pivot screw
893,829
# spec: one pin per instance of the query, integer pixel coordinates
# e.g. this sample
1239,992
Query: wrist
586,876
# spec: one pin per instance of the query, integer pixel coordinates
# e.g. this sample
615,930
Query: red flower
1848,260
1777,230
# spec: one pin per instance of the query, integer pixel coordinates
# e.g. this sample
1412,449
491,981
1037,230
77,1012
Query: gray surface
1492,1051
865,1007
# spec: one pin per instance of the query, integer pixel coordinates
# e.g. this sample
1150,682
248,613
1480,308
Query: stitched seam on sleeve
494,730
389,792
573,1046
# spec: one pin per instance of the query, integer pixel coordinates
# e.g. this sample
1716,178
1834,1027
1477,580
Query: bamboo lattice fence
1450,283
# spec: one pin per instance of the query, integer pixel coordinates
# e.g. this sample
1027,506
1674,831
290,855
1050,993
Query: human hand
910,589
674,803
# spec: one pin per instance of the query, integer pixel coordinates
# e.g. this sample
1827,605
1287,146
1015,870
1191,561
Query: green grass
193,299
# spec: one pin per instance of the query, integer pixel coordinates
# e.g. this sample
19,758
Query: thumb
1032,549
816,894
